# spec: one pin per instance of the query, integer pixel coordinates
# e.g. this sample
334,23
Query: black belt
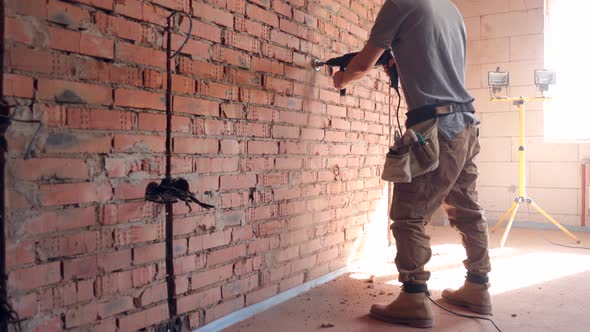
428,112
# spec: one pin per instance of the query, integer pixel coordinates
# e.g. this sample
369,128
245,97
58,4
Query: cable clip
169,192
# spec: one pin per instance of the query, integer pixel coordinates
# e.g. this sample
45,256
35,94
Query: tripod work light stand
522,196
498,80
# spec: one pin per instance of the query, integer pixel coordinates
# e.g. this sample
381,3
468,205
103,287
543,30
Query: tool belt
416,153
428,112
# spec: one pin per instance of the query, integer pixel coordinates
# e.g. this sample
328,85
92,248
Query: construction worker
428,40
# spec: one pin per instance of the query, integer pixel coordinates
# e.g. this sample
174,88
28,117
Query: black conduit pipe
4,111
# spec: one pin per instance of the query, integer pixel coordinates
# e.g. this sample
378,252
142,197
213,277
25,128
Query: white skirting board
247,312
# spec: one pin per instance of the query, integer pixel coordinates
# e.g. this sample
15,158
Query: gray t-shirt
428,40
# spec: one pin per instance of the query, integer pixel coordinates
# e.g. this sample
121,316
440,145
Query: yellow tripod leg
510,221
504,217
563,229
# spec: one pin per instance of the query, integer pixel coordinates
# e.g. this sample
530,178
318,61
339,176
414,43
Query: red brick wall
291,166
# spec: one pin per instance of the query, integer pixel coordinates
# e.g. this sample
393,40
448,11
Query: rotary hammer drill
343,61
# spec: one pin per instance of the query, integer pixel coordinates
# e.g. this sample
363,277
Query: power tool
343,61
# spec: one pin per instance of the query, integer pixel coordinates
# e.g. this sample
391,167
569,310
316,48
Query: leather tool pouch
413,157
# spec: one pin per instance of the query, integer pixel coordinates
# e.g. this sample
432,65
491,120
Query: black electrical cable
567,245
399,100
170,284
462,315
7,314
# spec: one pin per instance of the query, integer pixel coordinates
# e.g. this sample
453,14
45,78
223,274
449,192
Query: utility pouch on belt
417,154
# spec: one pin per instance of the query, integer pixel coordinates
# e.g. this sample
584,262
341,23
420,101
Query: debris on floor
327,325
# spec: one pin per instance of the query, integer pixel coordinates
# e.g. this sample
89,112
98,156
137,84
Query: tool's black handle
393,76
343,91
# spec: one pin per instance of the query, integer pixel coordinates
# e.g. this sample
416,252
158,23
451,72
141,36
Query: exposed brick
25,306
277,52
141,55
18,86
284,39
68,245
80,268
51,168
116,260
261,294
20,253
282,8
230,56
137,143
218,90
105,4
137,234
180,5
238,181
291,282
195,145
115,306
223,309
35,276
81,315
81,118
262,15
254,136
211,276
242,42
267,66
252,28
196,106
74,92
199,300
82,43
186,264
113,283
244,77
140,99
213,14
53,221
67,14
192,47
119,26
225,255
149,253
143,275
203,30
61,194
201,69
261,147
144,318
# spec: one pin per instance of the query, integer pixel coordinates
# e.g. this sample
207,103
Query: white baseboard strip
254,309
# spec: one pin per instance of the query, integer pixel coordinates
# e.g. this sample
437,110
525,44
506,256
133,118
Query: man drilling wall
428,40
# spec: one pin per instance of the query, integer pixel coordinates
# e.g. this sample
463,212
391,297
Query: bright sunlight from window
567,51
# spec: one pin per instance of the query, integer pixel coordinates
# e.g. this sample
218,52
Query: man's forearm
359,66
355,71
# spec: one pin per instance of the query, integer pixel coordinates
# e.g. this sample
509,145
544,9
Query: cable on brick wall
7,314
170,190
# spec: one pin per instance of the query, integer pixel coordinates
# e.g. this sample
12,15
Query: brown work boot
411,309
474,297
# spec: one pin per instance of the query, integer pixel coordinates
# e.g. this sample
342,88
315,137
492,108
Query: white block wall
509,34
